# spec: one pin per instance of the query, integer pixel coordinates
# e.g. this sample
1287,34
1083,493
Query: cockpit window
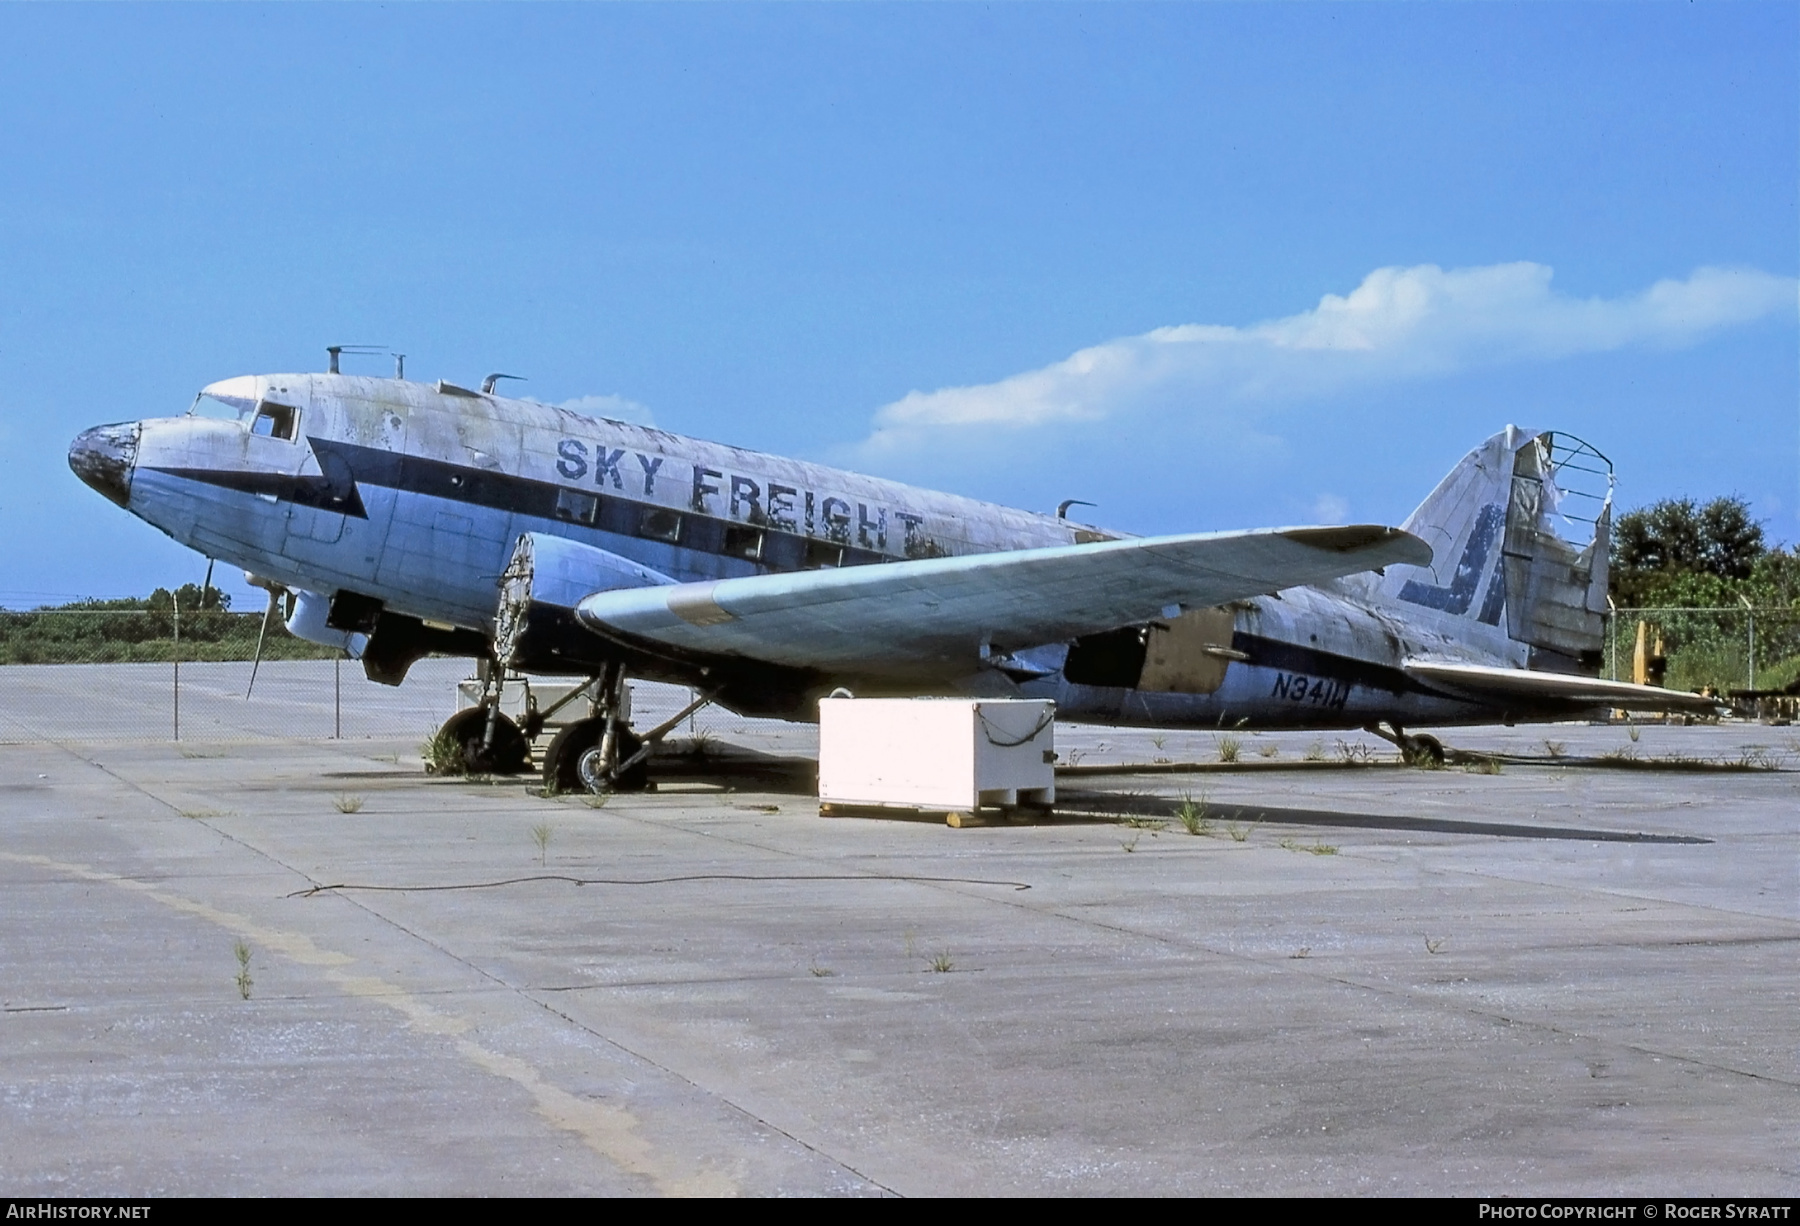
273,420
211,406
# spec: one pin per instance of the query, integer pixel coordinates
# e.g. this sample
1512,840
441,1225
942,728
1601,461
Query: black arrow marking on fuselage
498,491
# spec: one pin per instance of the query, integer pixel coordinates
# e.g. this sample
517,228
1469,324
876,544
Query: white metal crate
953,754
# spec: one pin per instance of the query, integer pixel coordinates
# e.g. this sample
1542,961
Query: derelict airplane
406,518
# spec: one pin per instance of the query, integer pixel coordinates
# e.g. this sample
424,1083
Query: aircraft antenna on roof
1062,508
334,351
487,384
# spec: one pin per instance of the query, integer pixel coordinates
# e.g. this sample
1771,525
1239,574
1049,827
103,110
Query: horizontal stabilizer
943,613
1499,686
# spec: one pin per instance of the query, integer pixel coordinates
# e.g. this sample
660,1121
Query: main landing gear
597,754
601,753
1416,750
591,754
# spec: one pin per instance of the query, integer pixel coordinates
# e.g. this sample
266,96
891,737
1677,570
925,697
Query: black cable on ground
490,885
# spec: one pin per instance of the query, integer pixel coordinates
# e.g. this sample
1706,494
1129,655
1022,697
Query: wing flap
1502,685
900,617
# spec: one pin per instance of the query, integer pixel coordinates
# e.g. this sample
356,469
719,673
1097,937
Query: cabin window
822,554
744,543
577,507
273,421
660,524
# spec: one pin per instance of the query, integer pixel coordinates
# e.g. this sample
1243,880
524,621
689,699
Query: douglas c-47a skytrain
407,518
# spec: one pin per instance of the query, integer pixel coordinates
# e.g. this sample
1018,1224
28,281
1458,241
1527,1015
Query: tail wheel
1422,751
563,766
507,753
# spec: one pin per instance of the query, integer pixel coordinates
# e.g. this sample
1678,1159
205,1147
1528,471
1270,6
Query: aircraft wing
939,614
1500,686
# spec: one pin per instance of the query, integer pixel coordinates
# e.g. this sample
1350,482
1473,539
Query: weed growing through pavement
1268,750
1132,846
701,745
1144,823
1315,752
443,755
1483,765
941,962
347,804
540,834
1555,749
821,972
1229,747
1431,946
1192,815
242,951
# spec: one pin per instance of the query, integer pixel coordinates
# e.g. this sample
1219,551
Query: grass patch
243,980
540,834
442,755
942,963
1191,814
1229,748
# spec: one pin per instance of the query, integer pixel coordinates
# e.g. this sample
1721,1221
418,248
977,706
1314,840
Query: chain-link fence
1724,648
138,674
107,673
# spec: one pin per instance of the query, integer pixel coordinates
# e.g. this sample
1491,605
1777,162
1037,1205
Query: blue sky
1209,266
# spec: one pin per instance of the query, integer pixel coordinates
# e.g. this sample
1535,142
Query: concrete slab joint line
610,1131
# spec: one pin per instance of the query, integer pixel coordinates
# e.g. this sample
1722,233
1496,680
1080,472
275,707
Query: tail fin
1521,529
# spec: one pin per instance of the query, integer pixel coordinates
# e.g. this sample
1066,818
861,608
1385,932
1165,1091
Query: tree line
1682,561
143,629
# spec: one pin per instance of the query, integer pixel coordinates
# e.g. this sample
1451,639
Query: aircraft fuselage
409,498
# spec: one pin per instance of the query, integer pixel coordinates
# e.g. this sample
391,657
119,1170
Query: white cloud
1400,324
1330,509
618,408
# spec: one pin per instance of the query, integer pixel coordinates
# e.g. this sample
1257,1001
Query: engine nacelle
535,628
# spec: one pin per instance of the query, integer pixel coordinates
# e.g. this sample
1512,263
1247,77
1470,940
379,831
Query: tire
1423,751
562,761
508,754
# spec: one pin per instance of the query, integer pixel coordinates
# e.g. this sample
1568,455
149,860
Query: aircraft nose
103,457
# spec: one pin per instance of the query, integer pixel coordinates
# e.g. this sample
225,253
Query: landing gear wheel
572,764
1422,750
508,753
